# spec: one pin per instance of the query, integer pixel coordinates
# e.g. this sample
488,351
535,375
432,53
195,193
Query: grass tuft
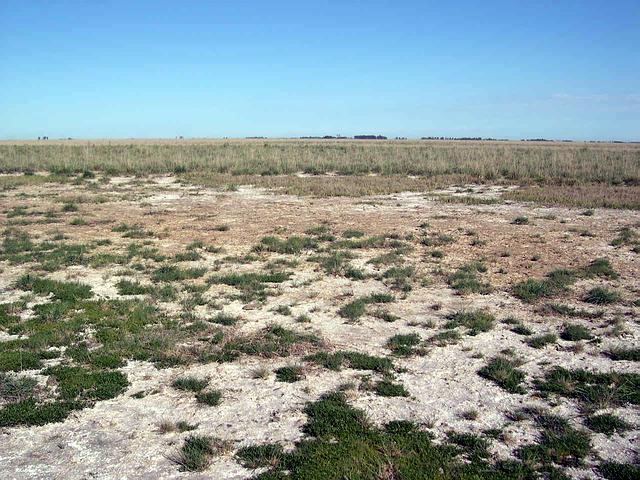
601,296
210,397
385,388
540,341
196,452
575,333
64,291
191,384
476,321
623,353
289,374
403,344
607,423
504,373
259,456
355,309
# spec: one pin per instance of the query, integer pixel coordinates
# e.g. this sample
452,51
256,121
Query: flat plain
319,310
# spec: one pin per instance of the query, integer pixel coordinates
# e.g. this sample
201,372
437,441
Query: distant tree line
369,137
464,138
325,137
340,137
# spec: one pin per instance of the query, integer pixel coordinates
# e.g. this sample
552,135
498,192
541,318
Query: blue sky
508,69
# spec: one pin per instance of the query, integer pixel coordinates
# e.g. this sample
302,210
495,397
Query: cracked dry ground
150,329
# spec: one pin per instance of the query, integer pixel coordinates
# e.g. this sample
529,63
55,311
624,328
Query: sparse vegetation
465,279
378,297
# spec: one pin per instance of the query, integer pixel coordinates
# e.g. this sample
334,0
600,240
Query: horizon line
359,137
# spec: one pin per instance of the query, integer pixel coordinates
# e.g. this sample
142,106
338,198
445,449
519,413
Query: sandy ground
119,438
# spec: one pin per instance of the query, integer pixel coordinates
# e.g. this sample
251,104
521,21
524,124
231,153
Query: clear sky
507,69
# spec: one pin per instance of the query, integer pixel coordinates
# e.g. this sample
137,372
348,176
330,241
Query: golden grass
553,173
515,162
326,185
587,196
9,182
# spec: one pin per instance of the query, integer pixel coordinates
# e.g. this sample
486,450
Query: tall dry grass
587,195
521,162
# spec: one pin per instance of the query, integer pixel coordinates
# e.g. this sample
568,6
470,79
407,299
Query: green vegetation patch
355,360
630,354
272,341
18,360
291,245
404,345
128,287
257,456
503,372
356,308
607,423
173,273
619,471
225,319
569,311
14,388
190,384
611,388
465,280
559,444
335,263
18,248
77,388
386,388
289,373
575,333
9,314
64,291
399,278
252,285
29,412
558,281
475,321
76,383
600,267
343,444
540,341
132,231
197,451
601,296
211,398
